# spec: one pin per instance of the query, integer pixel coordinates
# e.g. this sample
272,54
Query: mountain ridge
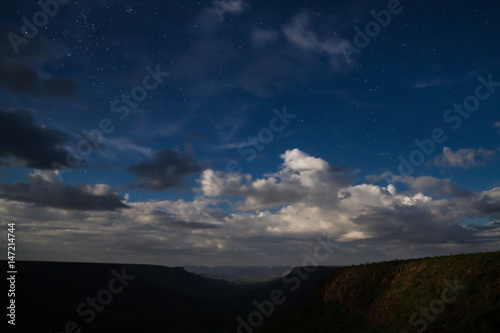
404,296
102,297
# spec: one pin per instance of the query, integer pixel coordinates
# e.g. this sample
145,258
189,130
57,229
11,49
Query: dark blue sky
199,132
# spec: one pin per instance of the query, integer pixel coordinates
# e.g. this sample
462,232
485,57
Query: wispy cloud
426,83
299,32
262,37
463,158
124,145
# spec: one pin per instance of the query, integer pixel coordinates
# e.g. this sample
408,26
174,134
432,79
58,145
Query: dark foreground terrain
443,294
69,297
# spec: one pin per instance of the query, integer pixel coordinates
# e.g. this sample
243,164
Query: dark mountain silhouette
397,296
65,297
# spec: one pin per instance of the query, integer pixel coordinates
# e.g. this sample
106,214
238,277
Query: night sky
238,132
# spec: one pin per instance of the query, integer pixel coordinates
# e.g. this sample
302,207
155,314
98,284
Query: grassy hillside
404,296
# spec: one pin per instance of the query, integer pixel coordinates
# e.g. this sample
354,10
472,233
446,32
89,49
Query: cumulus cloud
308,195
488,203
463,158
301,178
43,191
25,142
166,169
275,218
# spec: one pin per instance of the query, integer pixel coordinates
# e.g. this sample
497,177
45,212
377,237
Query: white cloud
301,178
276,220
300,161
